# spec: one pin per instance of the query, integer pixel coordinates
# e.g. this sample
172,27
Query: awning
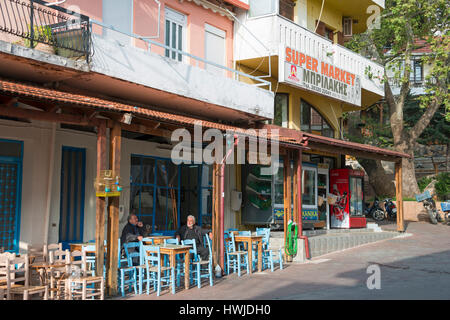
34,92
352,148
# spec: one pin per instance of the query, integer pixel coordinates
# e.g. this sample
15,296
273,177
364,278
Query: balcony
267,35
48,45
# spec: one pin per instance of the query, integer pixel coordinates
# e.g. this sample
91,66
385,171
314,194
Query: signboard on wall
306,72
239,3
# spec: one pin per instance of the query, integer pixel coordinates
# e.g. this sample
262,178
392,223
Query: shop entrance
163,194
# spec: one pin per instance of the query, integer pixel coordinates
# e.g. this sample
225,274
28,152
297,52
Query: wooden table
79,246
158,239
172,250
42,268
250,240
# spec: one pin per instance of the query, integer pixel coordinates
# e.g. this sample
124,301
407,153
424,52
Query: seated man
192,231
132,232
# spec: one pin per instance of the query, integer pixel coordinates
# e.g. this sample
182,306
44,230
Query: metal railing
259,82
34,22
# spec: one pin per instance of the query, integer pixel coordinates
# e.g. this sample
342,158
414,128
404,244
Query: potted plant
42,39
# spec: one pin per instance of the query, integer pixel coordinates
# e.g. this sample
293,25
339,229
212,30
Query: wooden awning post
113,213
102,158
399,195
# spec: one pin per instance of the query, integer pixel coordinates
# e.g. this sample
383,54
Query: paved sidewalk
412,267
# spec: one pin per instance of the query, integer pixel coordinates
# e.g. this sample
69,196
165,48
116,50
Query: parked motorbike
390,208
429,205
375,211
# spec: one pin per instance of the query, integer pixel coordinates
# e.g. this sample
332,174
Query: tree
402,23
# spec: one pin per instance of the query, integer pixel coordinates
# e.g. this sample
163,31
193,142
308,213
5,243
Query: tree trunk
381,182
410,186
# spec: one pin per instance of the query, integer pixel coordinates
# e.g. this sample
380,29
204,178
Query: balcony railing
193,60
52,29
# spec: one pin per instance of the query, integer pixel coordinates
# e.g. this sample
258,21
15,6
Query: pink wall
146,12
145,19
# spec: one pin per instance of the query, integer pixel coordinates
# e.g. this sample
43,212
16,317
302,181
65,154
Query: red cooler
347,187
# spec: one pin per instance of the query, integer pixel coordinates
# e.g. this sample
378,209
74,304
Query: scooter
375,211
429,205
390,208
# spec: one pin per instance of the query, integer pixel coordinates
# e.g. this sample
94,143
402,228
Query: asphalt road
415,266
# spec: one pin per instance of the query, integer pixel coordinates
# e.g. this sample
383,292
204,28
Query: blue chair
203,268
235,258
156,273
148,240
193,252
131,251
178,257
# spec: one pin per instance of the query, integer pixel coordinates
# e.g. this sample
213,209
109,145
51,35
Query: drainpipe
222,200
50,181
299,202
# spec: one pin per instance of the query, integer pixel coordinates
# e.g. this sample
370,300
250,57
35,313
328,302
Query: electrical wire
320,16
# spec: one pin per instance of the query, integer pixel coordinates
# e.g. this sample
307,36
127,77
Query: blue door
11,154
73,167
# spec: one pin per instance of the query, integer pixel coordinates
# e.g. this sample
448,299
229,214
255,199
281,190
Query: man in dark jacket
132,232
191,231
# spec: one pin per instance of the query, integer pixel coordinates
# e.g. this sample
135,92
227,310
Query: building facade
88,86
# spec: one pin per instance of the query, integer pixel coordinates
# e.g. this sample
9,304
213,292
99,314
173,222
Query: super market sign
304,71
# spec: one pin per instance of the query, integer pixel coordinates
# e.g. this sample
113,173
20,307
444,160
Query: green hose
290,247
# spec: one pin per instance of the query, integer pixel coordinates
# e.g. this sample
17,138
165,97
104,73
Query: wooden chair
203,268
155,271
49,248
235,258
80,285
17,279
129,272
54,275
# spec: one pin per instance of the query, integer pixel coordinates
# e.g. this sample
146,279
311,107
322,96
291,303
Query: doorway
11,155
73,171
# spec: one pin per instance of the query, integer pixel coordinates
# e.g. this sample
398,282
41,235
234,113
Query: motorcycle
390,208
375,211
429,205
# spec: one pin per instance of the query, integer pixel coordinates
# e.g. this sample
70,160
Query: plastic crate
423,196
445,206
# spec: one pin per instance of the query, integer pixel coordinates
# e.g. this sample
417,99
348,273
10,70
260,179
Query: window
281,110
215,48
175,33
284,8
311,121
118,14
329,34
155,192
309,182
262,7
347,24
416,71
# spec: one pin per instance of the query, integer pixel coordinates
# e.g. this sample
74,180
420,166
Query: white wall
36,157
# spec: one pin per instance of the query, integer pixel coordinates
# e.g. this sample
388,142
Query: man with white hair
191,231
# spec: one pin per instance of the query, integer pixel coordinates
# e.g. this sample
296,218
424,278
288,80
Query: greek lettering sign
301,70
